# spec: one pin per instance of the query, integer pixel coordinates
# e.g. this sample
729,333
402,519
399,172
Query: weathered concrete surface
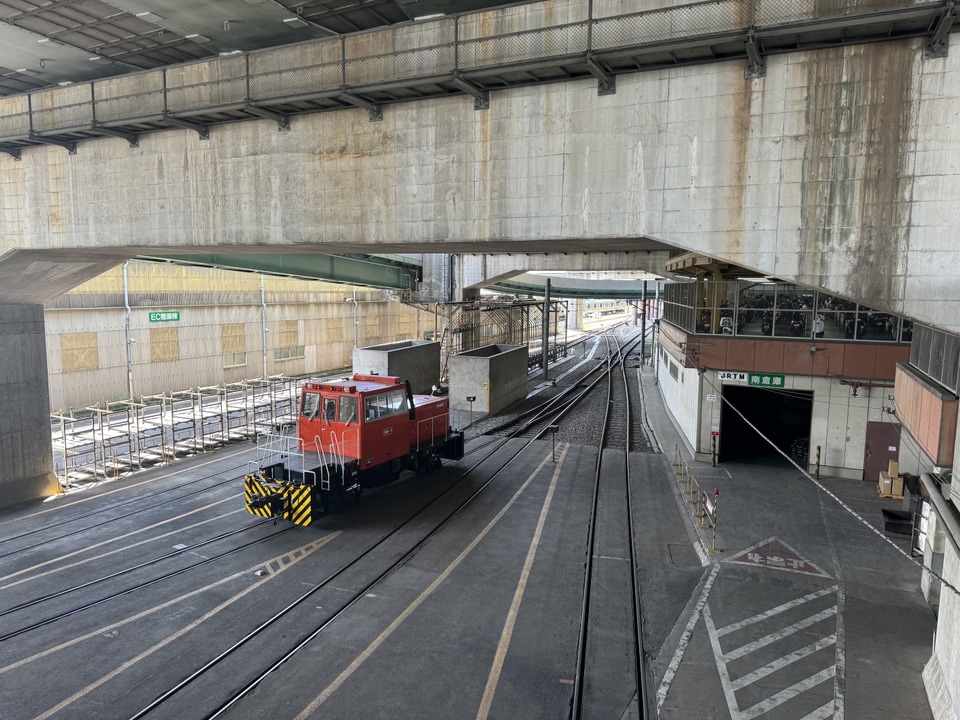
26,453
837,170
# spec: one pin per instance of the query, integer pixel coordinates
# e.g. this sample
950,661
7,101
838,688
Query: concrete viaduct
837,168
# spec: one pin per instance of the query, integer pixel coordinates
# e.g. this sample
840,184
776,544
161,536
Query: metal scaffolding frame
476,323
110,441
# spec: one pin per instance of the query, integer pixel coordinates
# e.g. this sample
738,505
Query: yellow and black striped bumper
267,499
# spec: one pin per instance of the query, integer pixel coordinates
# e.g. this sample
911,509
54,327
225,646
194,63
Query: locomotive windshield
310,406
348,408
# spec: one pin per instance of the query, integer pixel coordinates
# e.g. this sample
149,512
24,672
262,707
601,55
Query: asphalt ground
803,612
483,620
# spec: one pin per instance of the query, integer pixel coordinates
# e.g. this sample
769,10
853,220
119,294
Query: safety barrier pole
818,463
716,498
704,509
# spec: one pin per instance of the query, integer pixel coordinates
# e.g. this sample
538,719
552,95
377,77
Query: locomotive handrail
433,420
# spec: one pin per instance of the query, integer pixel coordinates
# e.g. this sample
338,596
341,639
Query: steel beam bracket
756,65
12,152
937,45
70,145
202,130
481,97
376,113
282,121
606,82
131,138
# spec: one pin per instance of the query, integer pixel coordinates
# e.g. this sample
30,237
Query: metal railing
407,53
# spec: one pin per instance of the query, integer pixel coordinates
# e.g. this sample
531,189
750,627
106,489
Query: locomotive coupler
274,501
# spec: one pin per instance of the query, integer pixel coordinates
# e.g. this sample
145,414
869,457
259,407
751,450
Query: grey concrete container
495,375
415,360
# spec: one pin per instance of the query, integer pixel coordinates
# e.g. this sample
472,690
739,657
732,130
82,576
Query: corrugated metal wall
216,336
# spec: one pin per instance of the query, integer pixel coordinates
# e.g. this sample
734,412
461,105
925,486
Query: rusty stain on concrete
855,167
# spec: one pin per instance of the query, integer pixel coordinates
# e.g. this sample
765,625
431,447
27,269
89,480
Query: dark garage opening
782,415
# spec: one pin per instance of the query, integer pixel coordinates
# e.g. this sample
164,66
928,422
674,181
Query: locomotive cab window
329,409
310,407
348,409
383,404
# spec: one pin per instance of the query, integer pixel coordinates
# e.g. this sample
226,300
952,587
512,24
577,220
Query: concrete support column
26,452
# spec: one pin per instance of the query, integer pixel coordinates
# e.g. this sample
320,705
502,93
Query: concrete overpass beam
26,452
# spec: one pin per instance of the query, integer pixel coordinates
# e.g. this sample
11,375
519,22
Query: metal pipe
947,515
128,339
546,331
643,324
263,326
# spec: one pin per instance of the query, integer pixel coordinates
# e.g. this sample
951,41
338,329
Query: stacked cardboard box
891,481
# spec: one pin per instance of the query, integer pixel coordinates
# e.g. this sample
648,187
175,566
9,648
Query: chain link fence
703,18
777,12
229,82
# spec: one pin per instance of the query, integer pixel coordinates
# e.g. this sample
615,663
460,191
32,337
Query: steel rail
217,477
239,693
140,586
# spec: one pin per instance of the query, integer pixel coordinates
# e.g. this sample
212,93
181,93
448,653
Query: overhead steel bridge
453,56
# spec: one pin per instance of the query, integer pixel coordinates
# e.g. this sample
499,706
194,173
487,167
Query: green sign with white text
762,380
165,316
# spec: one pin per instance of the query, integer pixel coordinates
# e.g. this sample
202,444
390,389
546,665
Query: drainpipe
128,338
946,513
263,326
544,348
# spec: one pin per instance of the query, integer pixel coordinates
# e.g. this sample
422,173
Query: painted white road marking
685,638
779,634
726,629
789,693
772,667
829,666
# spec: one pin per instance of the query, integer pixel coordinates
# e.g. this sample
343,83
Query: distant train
352,434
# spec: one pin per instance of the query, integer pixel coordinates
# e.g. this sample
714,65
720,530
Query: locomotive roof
357,384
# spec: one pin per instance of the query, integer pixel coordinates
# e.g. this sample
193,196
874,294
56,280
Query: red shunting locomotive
352,434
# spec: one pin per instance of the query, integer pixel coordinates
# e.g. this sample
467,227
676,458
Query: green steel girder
365,270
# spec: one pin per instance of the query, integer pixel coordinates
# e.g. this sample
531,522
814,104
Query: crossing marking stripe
778,635
772,667
789,693
726,629
822,712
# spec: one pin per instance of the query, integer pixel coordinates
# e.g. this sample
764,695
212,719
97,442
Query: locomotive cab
353,434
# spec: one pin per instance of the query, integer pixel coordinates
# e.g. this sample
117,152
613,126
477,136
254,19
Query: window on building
164,344
233,345
289,332
78,351
234,359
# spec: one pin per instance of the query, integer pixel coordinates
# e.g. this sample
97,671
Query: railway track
228,678
534,427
